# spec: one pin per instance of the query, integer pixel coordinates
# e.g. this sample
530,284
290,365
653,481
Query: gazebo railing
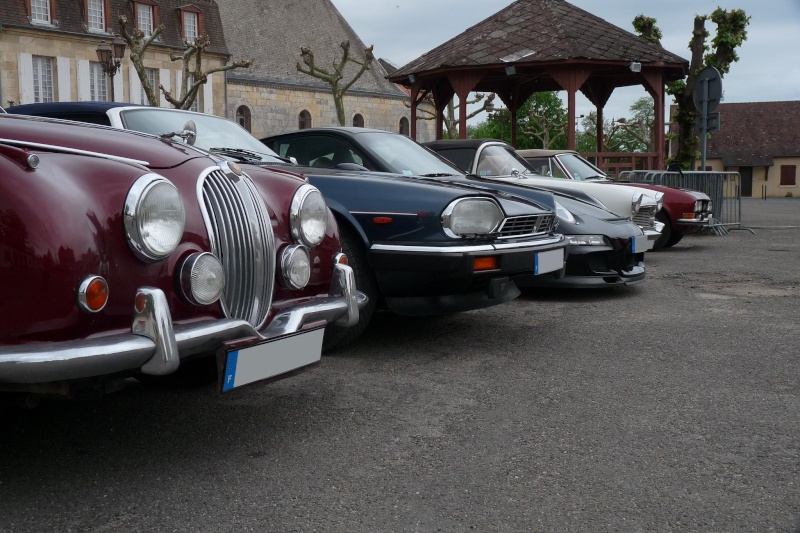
614,163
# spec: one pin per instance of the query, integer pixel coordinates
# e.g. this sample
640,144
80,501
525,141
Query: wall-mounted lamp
635,66
511,70
110,58
412,78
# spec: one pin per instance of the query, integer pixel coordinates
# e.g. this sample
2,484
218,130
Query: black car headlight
154,217
471,216
308,216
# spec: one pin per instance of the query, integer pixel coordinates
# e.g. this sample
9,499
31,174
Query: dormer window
190,22
146,14
41,11
96,15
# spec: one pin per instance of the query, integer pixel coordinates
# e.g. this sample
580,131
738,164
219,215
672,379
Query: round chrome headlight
295,266
154,217
636,202
202,278
471,216
308,216
659,201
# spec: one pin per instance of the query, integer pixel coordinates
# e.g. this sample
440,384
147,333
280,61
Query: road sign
709,78
712,123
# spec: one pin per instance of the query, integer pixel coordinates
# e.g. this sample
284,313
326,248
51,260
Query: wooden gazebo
541,45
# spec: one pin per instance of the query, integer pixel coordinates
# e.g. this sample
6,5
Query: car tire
336,336
674,239
666,233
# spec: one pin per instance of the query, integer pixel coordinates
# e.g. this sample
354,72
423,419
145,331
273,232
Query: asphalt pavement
673,405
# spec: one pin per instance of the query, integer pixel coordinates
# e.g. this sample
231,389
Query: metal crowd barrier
724,189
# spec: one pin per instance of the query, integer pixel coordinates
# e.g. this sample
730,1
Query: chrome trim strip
467,249
384,213
156,344
63,149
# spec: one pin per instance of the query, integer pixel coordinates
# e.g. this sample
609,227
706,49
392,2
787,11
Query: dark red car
122,255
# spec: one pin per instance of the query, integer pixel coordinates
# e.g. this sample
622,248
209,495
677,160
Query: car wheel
674,239
666,233
336,336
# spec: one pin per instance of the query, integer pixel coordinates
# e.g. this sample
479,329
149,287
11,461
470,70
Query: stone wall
276,109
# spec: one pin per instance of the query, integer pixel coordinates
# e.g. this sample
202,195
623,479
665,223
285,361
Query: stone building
48,49
273,97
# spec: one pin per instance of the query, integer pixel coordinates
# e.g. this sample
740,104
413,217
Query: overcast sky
769,60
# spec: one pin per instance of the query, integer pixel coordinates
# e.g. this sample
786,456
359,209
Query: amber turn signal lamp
688,215
93,294
484,263
340,259
140,302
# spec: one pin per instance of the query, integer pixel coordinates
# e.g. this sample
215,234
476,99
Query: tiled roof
72,20
271,34
754,133
538,31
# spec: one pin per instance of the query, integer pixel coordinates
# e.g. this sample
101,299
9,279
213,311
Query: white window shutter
164,77
84,81
208,97
119,96
64,79
135,86
25,68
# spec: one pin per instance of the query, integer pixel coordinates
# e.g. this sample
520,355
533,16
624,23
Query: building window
145,18
152,78
243,117
305,119
404,130
98,83
40,11
96,15
191,25
789,175
358,121
42,79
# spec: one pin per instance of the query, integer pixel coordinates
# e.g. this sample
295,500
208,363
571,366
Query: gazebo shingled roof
552,46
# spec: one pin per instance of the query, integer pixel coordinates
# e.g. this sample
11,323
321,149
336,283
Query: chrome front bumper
155,345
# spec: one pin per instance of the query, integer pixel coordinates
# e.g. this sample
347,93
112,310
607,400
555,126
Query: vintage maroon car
684,211
124,255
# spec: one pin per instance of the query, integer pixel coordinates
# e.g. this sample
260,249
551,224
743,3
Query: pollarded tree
720,54
450,118
192,72
334,77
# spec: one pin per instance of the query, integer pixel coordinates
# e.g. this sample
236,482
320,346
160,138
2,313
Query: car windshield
214,134
401,155
498,160
580,169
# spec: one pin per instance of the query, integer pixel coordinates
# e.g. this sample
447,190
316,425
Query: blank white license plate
271,358
640,244
549,261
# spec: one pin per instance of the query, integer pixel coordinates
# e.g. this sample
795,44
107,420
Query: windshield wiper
437,175
247,156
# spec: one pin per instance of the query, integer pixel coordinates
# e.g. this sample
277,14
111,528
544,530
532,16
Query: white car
498,161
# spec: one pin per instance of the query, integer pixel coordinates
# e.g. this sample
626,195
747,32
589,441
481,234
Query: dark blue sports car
606,250
418,246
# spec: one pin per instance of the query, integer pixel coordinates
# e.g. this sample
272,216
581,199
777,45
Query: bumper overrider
430,280
155,345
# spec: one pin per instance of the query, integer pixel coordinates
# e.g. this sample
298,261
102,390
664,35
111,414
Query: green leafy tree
721,53
450,118
192,72
541,123
334,76
629,135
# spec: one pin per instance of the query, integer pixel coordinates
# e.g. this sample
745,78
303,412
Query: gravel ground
670,406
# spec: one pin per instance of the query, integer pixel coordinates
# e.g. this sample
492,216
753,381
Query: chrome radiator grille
241,237
524,226
646,217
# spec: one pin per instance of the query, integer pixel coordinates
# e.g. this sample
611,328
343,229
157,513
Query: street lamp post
110,58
